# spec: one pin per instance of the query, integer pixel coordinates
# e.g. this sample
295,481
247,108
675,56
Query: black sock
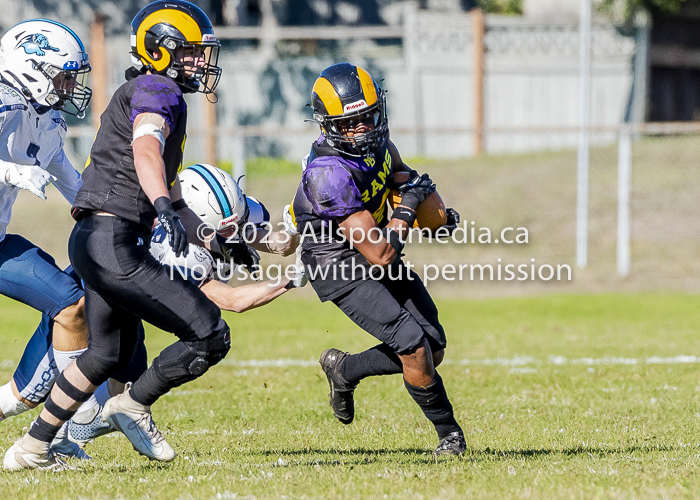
43,431
436,406
148,388
379,360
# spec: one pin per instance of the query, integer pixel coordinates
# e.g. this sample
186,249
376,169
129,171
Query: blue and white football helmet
216,198
47,62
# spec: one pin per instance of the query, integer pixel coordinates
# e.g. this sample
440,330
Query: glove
288,221
452,221
242,255
300,279
30,177
170,222
415,191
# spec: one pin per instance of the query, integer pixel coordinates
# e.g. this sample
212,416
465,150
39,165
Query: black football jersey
110,182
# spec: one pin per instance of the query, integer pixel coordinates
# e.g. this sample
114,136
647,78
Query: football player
129,181
216,198
352,250
43,70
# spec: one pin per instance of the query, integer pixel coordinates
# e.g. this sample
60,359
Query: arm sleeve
331,191
159,95
68,180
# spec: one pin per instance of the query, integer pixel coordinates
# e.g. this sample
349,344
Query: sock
9,404
436,406
379,360
102,394
148,388
43,431
86,412
65,358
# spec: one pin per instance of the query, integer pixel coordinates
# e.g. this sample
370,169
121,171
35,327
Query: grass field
566,396
581,389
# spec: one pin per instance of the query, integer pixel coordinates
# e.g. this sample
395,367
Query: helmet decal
216,188
36,44
329,97
183,23
368,88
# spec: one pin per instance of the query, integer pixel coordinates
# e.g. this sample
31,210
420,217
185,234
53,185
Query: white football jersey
199,266
30,138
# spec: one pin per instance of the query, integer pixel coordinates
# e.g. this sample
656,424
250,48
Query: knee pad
185,361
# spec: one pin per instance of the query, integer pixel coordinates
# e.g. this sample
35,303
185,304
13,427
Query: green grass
537,426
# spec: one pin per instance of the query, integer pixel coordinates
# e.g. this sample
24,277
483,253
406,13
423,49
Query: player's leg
30,275
34,376
381,359
431,397
373,307
86,426
112,346
175,305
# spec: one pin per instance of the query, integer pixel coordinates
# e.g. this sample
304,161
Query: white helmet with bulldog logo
47,62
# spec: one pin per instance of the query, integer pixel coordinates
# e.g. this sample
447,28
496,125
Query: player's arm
245,297
378,251
277,242
150,132
66,177
15,128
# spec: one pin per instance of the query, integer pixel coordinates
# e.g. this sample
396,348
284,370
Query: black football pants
125,284
399,313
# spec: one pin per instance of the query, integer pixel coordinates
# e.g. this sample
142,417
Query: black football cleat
453,444
341,396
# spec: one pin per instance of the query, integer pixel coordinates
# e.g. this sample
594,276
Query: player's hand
170,222
242,255
299,278
416,190
451,224
30,177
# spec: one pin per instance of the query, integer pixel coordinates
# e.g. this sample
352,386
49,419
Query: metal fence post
624,186
584,134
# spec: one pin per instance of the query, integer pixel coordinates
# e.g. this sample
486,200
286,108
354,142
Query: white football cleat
29,453
63,447
86,426
134,421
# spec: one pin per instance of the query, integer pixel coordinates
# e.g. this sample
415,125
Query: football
431,214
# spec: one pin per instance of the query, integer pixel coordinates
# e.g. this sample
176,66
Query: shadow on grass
354,456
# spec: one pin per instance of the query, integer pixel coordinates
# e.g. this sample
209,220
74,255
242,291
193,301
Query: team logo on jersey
36,44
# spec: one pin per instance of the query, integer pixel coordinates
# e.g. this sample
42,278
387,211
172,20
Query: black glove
170,222
452,221
415,191
242,255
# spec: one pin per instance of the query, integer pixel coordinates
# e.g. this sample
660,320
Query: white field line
516,361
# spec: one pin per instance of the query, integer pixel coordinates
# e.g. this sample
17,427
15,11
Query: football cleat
453,444
30,453
83,429
341,395
64,448
134,421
